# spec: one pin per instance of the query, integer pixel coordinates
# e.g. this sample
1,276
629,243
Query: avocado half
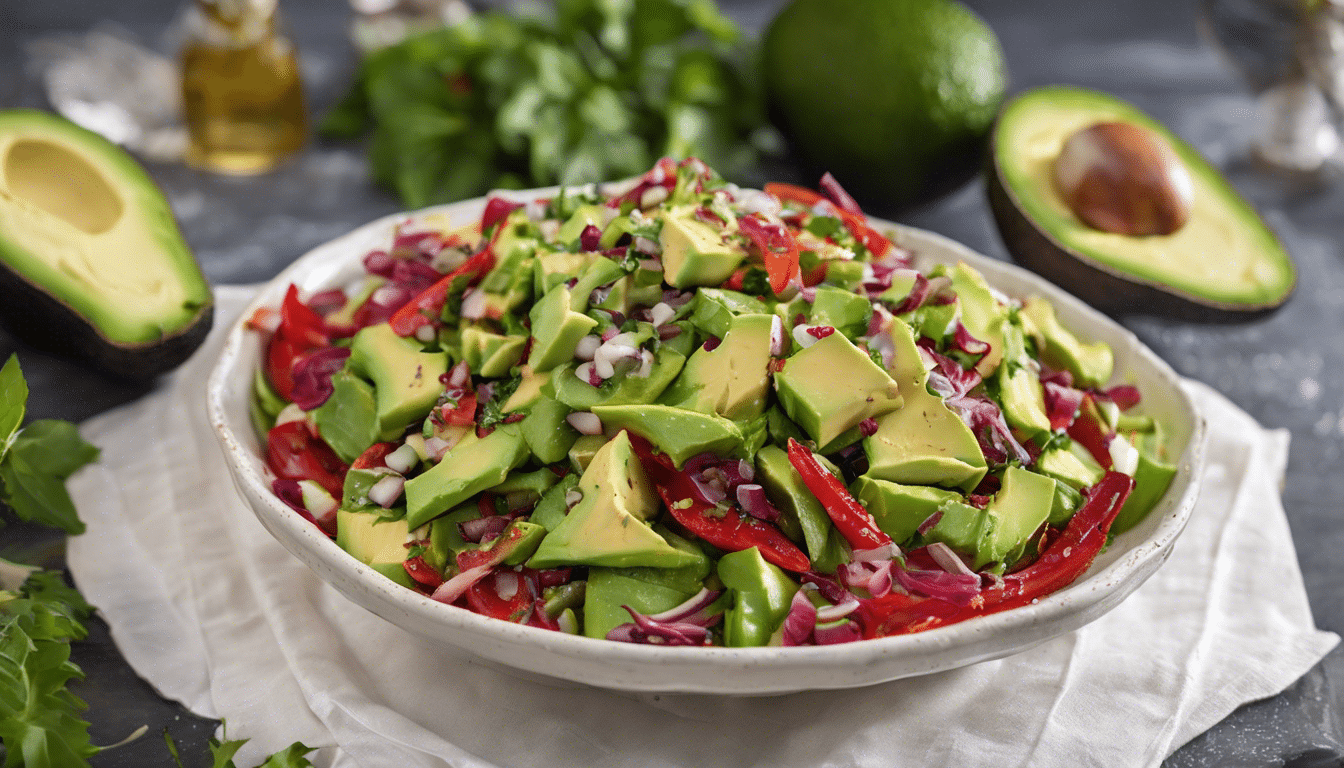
1223,264
92,264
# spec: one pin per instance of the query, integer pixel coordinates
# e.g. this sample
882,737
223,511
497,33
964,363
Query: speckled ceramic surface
1132,558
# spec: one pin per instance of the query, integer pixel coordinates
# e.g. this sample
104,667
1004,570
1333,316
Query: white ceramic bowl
1132,558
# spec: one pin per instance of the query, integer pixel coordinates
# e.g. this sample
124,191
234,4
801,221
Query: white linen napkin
214,613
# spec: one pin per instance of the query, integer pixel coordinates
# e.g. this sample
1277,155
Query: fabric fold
213,612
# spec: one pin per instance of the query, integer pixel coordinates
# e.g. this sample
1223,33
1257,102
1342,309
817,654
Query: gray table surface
1285,370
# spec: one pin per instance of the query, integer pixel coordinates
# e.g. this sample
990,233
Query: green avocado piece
583,450
552,508
1020,507
679,433
964,528
1020,390
715,309
831,386
473,465
1072,466
549,436
405,377
619,390
761,595
696,253
923,442
92,264
445,537
1151,480
491,354
981,313
583,216
647,590
551,268
846,311
556,329
1090,363
608,525
732,379
600,272
529,390
898,509
375,542
1222,263
348,420
801,516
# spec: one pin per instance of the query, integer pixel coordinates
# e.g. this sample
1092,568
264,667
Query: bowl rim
1095,591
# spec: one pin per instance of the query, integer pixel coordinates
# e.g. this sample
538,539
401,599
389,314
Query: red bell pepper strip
427,307
484,596
421,572
855,221
300,330
778,248
293,452
1065,559
727,529
851,519
1089,431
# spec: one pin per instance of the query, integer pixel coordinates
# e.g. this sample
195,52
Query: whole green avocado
896,98
92,264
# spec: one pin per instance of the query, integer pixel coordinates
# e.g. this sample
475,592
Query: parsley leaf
33,473
13,397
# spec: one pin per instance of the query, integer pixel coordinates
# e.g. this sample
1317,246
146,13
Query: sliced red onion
645,365
647,632
958,589
751,497
930,522
609,334
669,332
829,588
879,584
832,634
573,496
436,448
312,375
426,333
830,613
877,554
691,610
473,304
651,265
1125,396
482,529
837,194
1124,456
777,337
802,337
661,313
746,470
868,427
652,196
964,341
415,275
986,422
919,294
712,343
585,422
379,263
1061,404
756,201
710,490
326,302
459,377
648,247
450,590
948,560
586,372
387,490
402,459
587,347
800,622
506,584
535,210
316,499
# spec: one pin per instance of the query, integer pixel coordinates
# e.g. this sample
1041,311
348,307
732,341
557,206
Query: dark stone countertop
1146,51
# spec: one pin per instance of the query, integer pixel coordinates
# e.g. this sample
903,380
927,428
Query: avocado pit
1121,178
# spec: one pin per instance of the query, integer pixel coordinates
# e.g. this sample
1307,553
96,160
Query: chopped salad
680,412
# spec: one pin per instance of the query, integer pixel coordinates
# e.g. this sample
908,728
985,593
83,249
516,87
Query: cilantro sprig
587,91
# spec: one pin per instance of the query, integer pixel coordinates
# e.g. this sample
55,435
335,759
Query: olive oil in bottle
241,90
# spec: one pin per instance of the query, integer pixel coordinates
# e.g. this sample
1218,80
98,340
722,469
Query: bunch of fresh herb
585,91
40,615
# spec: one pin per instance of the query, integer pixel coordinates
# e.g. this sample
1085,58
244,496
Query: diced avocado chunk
491,354
556,330
549,436
964,528
622,389
695,253
679,433
1019,509
1020,389
981,313
715,309
1090,363
600,272
898,509
733,378
846,311
551,268
375,541
608,525
405,377
1151,480
583,216
1075,468
831,386
348,420
473,465
552,508
923,442
583,450
529,389
761,595
609,589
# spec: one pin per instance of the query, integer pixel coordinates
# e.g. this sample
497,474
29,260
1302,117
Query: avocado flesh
92,264
1224,263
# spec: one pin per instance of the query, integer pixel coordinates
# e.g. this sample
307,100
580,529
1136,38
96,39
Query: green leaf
40,725
223,751
37,496
293,756
55,446
13,397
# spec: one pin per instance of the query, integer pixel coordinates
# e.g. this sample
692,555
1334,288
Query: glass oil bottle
242,92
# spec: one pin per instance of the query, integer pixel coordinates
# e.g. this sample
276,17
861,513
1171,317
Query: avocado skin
46,323
1104,288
